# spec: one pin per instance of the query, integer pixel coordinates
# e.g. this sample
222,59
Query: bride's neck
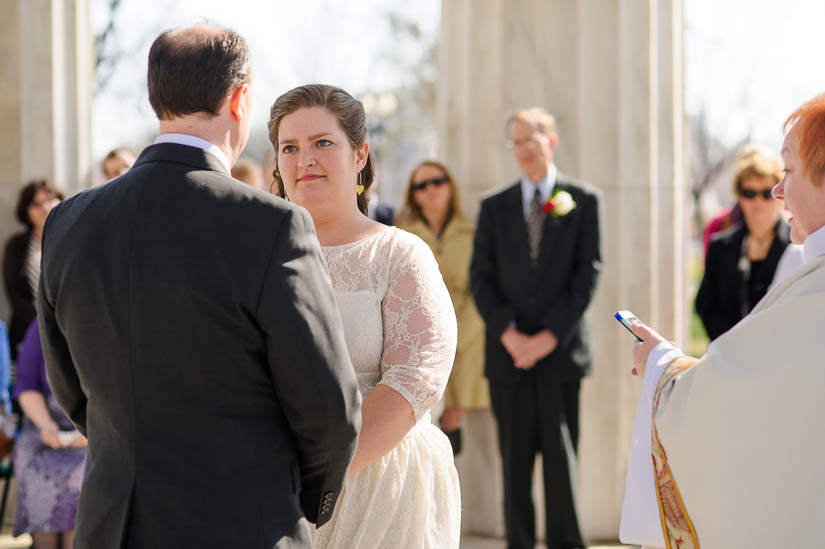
339,230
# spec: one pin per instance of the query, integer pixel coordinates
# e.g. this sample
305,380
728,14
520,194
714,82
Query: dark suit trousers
539,418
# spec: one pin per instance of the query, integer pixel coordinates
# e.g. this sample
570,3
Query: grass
698,338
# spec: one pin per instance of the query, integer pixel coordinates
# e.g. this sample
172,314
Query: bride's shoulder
405,248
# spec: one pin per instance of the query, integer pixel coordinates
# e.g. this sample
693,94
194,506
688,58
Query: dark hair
26,197
192,70
351,118
411,211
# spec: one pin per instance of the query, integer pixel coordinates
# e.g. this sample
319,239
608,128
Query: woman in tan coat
432,211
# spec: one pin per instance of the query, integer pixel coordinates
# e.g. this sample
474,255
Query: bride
402,487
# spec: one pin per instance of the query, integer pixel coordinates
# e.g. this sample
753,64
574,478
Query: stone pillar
611,73
45,100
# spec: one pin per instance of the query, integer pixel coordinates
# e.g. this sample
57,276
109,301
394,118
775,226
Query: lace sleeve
419,327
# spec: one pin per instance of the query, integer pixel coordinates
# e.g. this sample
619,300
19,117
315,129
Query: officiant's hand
641,349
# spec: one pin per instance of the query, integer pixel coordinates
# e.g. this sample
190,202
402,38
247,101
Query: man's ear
237,101
554,140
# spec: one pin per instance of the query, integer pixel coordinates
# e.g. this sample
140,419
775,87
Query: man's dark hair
193,70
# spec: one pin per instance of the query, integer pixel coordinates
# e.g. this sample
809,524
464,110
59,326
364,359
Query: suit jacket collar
546,187
181,154
552,229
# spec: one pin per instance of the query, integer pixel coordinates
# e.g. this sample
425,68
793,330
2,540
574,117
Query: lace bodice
398,318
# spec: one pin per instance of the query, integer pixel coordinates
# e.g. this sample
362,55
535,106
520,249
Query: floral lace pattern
398,318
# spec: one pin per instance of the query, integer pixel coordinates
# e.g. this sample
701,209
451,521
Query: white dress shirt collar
192,141
814,245
545,187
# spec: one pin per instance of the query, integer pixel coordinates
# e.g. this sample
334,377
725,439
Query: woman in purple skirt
49,455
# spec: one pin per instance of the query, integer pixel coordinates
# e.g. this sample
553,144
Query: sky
348,44
748,63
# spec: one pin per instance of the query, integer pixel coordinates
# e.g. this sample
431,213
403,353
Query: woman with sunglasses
432,211
741,262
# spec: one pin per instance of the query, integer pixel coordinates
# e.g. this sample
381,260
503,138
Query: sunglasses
750,194
421,185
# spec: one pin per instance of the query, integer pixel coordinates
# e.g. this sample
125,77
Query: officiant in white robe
734,454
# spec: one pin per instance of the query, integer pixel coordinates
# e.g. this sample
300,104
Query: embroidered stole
676,524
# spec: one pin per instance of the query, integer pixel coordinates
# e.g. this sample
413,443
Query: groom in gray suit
190,331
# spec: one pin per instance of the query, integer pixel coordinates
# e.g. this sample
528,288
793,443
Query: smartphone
626,318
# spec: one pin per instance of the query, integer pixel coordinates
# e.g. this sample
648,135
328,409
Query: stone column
45,100
611,73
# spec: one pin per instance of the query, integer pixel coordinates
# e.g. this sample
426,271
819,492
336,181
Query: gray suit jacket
206,363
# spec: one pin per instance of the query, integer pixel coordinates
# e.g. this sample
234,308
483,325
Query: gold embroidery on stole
676,524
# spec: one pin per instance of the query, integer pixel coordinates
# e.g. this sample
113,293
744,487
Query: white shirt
545,187
814,245
197,142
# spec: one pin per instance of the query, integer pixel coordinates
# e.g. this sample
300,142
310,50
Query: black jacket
205,362
18,290
719,299
554,296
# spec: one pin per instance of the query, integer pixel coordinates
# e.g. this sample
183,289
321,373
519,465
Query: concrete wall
611,72
45,101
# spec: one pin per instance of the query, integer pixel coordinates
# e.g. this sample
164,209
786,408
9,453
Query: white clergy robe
741,429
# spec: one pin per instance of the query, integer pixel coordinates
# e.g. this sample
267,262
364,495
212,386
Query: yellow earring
359,188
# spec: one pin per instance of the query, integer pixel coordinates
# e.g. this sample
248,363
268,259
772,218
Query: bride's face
316,162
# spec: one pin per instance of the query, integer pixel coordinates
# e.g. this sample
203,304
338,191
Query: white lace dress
401,332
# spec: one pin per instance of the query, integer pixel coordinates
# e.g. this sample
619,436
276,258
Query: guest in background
21,259
536,259
249,172
49,455
118,162
741,262
267,172
432,211
378,210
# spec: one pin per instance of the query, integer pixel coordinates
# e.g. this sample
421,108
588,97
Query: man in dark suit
535,262
190,331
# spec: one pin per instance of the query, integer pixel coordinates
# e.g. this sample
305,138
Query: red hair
808,121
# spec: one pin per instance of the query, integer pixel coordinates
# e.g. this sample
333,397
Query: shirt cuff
660,356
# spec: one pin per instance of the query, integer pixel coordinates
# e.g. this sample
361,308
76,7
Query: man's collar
197,142
545,186
814,245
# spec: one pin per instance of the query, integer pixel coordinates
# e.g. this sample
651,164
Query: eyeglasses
48,202
750,194
535,139
421,185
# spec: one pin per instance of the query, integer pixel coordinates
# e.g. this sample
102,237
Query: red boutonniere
560,203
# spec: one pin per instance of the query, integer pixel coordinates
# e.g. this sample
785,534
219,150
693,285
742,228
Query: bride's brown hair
347,110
